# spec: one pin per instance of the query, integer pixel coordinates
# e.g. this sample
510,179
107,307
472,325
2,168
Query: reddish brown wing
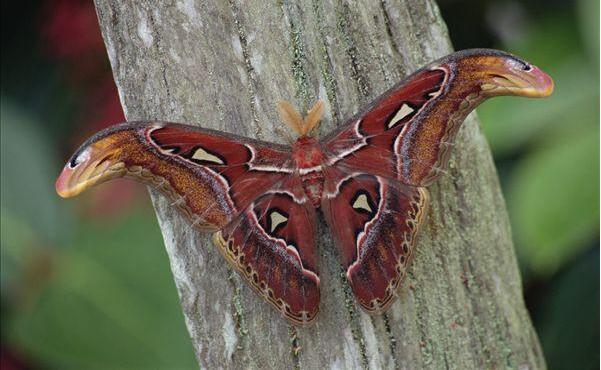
407,132
239,168
245,188
375,141
272,245
377,163
364,182
377,233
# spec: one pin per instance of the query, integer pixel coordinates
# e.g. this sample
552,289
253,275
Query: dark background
86,283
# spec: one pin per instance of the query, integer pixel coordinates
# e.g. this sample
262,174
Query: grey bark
224,65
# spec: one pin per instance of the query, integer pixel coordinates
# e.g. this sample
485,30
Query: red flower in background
71,28
71,36
10,359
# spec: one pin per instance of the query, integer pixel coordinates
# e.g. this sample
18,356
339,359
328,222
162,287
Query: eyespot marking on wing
362,203
201,154
403,112
276,219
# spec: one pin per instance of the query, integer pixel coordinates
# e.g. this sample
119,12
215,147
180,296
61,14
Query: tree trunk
224,65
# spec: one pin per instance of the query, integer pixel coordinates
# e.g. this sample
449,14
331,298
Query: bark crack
295,347
357,73
391,340
238,313
250,71
299,57
326,66
395,47
353,319
161,59
380,59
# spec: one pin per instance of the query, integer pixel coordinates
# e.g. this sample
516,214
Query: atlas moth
368,177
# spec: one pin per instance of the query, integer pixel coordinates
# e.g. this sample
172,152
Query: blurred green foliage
568,322
548,153
27,194
553,186
104,309
92,294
